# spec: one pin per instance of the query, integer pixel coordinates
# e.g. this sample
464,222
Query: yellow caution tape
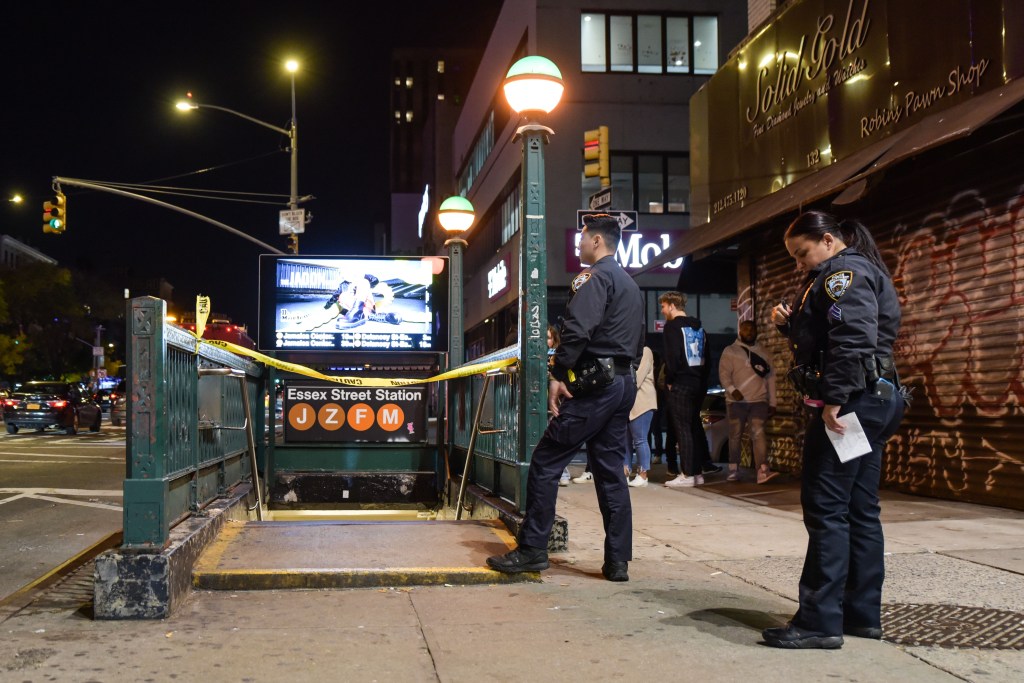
463,371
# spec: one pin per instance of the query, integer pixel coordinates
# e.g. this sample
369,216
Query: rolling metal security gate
950,225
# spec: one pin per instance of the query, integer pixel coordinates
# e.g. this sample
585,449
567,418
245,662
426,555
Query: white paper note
851,444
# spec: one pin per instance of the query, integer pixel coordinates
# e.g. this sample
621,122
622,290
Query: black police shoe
792,638
872,632
615,571
522,559
710,468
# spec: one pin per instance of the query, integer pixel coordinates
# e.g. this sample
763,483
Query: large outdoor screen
353,303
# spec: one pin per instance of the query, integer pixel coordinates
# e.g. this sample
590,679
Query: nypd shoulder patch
579,281
837,283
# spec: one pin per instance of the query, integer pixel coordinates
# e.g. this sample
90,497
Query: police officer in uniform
590,394
841,331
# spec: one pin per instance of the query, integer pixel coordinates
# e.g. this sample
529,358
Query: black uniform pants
841,583
601,421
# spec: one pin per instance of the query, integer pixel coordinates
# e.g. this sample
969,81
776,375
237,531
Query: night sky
90,93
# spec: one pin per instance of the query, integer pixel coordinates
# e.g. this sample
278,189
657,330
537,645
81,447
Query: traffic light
55,214
595,154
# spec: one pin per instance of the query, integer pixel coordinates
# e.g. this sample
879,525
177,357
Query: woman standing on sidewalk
841,331
640,419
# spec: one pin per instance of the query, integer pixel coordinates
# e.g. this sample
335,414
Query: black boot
522,559
615,571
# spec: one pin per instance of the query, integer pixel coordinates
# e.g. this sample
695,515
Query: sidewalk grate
72,593
953,626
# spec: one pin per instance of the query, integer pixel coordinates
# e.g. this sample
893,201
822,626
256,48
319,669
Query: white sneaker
564,480
698,480
638,482
584,478
681,481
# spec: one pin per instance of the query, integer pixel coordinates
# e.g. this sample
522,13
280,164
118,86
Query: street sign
601,200
292,222
627,219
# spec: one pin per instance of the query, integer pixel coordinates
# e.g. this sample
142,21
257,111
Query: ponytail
814,225
856,235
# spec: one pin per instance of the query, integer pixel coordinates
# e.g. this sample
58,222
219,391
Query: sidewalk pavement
712,567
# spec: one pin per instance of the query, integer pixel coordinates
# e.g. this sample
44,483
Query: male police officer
593,372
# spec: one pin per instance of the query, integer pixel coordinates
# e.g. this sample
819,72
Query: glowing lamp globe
456,214
533,84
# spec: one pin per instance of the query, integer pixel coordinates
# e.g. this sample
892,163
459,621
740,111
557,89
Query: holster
807,380
591,375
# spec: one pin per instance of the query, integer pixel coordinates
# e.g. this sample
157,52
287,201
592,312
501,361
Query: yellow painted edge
210,558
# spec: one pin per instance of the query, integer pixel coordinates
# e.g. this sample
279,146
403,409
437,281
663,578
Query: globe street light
456,216
533,86
292,134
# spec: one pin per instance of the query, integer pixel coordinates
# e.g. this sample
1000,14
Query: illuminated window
398,81
408,81
440,66
647,183
440,96
408,116
648,43
398,116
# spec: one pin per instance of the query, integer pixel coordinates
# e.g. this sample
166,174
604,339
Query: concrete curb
134,584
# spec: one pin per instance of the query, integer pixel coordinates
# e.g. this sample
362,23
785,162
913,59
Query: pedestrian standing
746,372
640,419
592,389
686,377
841,331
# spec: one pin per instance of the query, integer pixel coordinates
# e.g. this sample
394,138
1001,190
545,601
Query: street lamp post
533,86
456,216
291,133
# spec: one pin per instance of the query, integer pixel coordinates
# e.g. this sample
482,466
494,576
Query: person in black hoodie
686,378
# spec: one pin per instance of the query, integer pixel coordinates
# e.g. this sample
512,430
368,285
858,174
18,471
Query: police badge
837,283
579,280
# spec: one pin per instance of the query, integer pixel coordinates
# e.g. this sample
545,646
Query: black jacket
604,318
847,313
677,368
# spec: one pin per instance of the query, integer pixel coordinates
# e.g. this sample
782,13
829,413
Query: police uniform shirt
847,313
604,318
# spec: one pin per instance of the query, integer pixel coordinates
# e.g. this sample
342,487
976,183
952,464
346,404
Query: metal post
293,141
456,346
533,313
97,359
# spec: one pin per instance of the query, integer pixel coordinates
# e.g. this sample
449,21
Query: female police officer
841,331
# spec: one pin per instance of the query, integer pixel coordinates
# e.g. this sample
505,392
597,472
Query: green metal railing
186,433
499,463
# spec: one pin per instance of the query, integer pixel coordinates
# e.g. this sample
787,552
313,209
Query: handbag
759,365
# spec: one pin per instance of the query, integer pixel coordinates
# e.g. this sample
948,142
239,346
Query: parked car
716,428
43,404
103,398
118,403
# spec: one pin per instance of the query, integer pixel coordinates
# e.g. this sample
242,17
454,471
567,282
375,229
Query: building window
647,183
398,80
398,116
621,34
510,213
648,43
440,66
408,82
440,96
408,116
592,42
481,150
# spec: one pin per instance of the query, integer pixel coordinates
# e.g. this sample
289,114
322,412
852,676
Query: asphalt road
58,496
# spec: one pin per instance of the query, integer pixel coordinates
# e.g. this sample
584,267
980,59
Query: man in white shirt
745,371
